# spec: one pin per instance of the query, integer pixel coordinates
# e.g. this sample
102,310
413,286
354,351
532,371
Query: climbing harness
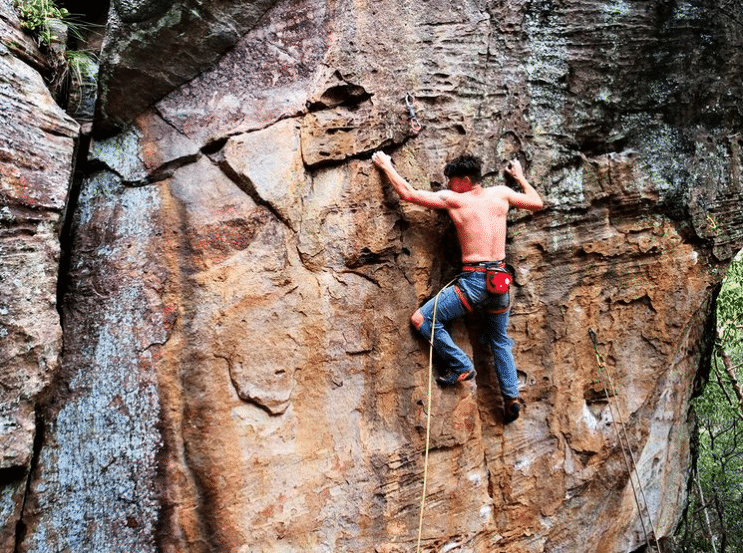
623,439
415,125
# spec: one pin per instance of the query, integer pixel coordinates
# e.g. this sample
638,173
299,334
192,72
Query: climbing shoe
456,376
511,409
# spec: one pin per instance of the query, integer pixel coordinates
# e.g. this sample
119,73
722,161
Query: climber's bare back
480,219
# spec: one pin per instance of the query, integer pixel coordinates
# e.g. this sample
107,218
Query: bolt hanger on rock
415,125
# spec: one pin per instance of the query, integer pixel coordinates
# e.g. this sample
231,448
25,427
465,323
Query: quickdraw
415,125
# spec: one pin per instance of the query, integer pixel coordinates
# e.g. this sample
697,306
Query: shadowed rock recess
238,372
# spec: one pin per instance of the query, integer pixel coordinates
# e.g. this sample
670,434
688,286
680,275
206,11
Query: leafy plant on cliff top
35,16
48,22
51,26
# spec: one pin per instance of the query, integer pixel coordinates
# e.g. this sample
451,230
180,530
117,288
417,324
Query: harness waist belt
483,266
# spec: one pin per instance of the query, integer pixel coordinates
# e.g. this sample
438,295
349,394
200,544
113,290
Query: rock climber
479,215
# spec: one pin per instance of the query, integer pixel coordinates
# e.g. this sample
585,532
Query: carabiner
409,105
415,126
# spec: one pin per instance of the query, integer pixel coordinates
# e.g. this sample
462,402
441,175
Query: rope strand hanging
624,443
428,426
428,417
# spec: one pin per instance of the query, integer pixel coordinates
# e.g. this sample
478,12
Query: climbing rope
621,432
428,422
428,415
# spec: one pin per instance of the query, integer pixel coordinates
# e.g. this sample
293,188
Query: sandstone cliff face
238,371
37,144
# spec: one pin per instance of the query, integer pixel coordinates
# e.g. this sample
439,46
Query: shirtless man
479,215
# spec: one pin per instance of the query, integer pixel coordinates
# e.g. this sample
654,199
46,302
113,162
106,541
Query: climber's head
463,173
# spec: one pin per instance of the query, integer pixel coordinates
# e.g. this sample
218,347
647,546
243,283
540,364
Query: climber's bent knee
417,319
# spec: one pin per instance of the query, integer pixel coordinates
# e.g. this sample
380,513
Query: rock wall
37,145
239,373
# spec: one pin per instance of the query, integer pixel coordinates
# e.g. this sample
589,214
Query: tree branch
730,370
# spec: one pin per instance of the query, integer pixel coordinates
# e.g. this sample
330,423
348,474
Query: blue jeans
467,294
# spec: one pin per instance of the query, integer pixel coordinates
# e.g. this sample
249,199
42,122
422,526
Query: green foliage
83,66
70,70
46,21
714,519
730,303
36,14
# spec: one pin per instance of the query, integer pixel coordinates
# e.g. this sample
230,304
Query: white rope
428,414
624,445
428,421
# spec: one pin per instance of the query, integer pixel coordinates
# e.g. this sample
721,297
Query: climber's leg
417,319
496,331
449,307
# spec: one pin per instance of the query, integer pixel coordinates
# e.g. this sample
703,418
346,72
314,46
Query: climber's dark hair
464,166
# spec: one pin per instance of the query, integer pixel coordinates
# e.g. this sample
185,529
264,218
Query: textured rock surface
239,374
164,44
37,143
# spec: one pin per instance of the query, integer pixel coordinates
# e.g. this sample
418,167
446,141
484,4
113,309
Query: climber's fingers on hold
380,159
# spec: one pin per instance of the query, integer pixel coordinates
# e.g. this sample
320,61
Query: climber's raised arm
435,200
529,198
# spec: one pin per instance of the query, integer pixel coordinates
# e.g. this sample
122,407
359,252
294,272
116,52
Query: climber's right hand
382,160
